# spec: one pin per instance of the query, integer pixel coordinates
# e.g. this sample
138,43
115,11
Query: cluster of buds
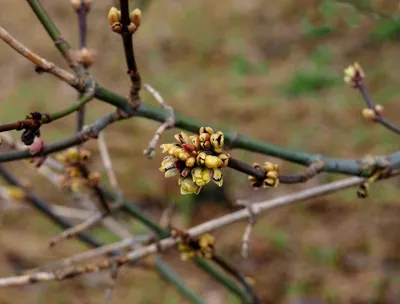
74,178
197,159
77,4
370,114
354,75
114,19
33,129
189,248
271,176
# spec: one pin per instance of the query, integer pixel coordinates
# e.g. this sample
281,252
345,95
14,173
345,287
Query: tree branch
258,208
40,62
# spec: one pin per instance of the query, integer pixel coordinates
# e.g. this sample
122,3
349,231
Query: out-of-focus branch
71,232
42,206
196,231
236,274
41,63
94,253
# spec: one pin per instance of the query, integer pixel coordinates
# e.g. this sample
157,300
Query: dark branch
378,116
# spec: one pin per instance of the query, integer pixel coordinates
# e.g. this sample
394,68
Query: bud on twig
114,19
368,114
136,17
354,75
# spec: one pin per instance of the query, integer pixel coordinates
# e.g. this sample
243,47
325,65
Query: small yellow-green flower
188,186
201,176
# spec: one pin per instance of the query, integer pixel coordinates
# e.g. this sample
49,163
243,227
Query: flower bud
201,176
272,174
183,138
177,152
368,114
195,141
86,57
184,156
167,147
201,158
173,149
76,4
188,186
208,130
204,137
217,141
206,145
225,159
114,16
217,177
136,17
190,162
267,166
354,75
379,109
212,161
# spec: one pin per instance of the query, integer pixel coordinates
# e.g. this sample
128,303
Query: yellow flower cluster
197,159
74,179
202,247
271,176
354,75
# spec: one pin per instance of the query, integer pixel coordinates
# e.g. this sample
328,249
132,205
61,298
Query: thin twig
248,229
71,232
40,62
82,13
166,216
105,157
169,122
94,253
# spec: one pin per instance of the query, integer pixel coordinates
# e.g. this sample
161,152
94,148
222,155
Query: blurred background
269,69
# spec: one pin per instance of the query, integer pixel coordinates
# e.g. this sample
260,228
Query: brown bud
86,57
132,28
